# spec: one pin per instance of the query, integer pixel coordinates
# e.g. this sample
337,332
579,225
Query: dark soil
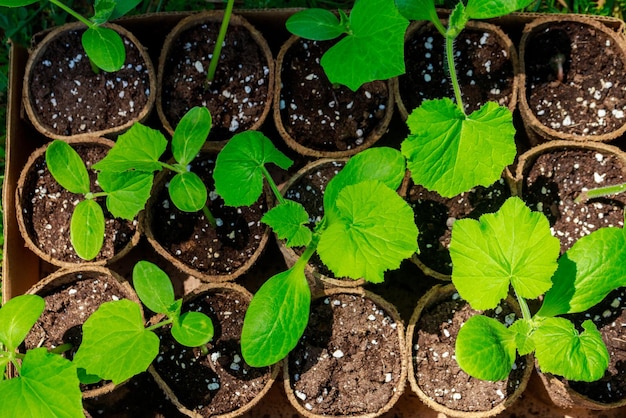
435,216
71,99
190,237
321,116
484,69
436,370
591,97
558,177
48,208
238,94
348,361
220,381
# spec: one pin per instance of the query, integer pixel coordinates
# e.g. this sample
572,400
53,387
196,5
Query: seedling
605,191
513,248
46,384
373,45
448,150
366,229
557,62
228,11
103,46
117,345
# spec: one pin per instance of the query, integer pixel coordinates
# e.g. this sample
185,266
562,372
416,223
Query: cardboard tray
22,268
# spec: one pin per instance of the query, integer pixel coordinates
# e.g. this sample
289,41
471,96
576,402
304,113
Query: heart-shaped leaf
288,221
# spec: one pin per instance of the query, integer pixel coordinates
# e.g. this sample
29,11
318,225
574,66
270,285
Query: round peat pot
434,374
318,119
486,64
64,98
239,97
71,296
572,80
218,383
351,359
44,210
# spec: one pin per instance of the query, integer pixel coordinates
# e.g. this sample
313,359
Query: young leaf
105,48
47,386
561,350
587,272
374,48
486,9
102,11
192,329
139,149
87,229
418,9
17,317
315,24
239,167
458,21
188,192
513,246
115,345
190,134
373,232
485,348
67,168
523,329
451,153
288,221
154,287
276,318
127,192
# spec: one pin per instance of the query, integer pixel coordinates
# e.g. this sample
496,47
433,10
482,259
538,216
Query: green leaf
122,7
115,345
373,232
523,330
190,134
127,192
102,11
486,9
374,48
276,318
67,168
87,229
105,48
188,192
192,329
154,287
418,9
380,163
561,350
48,386
513,246
458,21
240,167
587,273
316,24
450,153
16,3
17,317
139,149
288,221
485,348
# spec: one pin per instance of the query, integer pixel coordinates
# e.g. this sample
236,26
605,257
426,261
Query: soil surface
192,239
48,208
435,216
71,99
220,381
436,370
321,116
236,97
483,65
590,99
556,178
348,361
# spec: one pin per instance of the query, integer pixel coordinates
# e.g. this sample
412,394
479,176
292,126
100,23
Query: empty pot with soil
351,359
240,95
65,98
572,84
319,119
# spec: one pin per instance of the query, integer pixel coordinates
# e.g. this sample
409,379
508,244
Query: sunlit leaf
153,286
288,220
67,168
188,192
190,134
17,317
192,329
128,192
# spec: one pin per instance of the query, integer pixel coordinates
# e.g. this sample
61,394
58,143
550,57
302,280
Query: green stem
452,70
220,39
524,307
600,192
160,324
273,185
78,17
61,349
209,216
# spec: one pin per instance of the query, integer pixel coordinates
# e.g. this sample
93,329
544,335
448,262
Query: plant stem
523,306
160,324
600,192
273,185
61,349
78,17
220,40
452,70
209,216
